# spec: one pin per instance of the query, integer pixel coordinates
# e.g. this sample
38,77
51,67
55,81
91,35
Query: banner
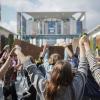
29,49
56,49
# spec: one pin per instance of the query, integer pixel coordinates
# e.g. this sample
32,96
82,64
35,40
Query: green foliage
84,34
10,40
4,41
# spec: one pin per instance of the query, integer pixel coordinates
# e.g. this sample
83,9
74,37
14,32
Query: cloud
45,5
11,26
92,8
20,5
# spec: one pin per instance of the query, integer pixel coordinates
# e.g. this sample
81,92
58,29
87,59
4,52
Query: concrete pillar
62,27
40,44
34,41
35,27
56,28
45,27
31,40
66,27
39,27
42,27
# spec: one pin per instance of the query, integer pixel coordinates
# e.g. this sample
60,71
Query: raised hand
63,44
5,66
86,44
82,40
81,46
46,45
42,54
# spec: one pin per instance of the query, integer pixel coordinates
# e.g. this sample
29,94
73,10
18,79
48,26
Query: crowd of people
77,77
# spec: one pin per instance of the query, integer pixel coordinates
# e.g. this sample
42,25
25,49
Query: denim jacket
76,88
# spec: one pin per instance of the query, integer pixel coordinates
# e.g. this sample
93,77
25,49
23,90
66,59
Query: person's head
61,76
62,73
54,58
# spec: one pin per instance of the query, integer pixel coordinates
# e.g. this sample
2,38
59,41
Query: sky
11,7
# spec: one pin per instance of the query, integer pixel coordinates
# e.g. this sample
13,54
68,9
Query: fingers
17,47
64,44
84,43
82,40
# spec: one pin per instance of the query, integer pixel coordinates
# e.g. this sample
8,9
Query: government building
50,27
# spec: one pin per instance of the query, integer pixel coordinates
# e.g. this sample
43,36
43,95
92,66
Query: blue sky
8,13
9,18
10,8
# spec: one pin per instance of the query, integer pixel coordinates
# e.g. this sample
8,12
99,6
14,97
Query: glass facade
21,24
51,27
59,27
79,27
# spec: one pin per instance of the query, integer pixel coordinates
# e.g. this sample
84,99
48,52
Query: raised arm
82,60
94,66
68,51
44,50
81,75
5,66
1,59
36,77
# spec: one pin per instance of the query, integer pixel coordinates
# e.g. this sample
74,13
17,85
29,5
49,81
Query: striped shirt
94,66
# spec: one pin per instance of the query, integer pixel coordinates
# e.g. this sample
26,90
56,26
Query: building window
79,27
51,27
59,27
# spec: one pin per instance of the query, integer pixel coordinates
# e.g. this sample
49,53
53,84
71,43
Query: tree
4,41
10,40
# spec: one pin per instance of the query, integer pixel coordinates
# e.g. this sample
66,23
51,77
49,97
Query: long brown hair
61,77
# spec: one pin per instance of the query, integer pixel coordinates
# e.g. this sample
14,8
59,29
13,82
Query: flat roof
60,15
94,30
50,36
6,30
